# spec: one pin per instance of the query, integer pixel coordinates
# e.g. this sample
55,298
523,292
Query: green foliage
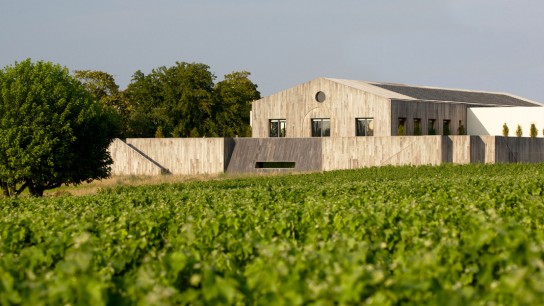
417,128
185,102
178,99
99,84
461,130
401,130
53,132
233,104
519,131
159,133
103,88
446,129
505,130
533,131
448,235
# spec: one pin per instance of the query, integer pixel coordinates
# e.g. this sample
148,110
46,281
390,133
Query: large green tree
177,100
233,104
53,132
102,86
183,101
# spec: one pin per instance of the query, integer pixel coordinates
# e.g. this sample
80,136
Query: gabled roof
434,94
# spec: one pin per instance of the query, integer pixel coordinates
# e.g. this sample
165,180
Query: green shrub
401,131
505,130
533,131
519,131
461,130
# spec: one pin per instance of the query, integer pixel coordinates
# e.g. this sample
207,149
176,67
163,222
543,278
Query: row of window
431,127
321,127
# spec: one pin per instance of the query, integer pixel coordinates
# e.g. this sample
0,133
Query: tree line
177,101
56,128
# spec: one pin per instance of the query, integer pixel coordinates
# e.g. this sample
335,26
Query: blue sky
494,45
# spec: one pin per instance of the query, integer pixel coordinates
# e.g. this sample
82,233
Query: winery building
345,108
331,124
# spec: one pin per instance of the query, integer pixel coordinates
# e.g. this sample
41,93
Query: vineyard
447,235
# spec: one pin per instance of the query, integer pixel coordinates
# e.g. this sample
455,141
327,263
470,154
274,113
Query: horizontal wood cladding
247,152
184,156
342,105
411,110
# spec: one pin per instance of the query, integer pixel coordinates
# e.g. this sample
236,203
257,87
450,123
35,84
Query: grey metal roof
452,95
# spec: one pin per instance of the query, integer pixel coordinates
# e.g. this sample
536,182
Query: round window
320,96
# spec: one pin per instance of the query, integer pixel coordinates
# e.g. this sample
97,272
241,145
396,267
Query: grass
133,180
129,180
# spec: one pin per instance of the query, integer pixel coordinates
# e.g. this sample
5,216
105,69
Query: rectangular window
417,126
461,130
401,130
321,127
431,129
275,165
446,127
364,126
277,128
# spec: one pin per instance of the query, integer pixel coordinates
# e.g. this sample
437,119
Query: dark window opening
274,165
461,130
417,126
364,127
321,127
401,130
431,129
277,128
446,128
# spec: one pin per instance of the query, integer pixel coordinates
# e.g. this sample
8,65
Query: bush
461,130
519,131
505,130
401,131
533,131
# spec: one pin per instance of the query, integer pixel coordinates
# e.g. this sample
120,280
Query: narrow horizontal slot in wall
274,165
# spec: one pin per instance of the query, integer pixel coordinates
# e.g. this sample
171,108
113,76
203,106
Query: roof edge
369,87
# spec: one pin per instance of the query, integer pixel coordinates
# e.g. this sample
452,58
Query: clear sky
494,45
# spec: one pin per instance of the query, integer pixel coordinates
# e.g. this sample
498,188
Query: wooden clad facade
342,104
419,110
329,124
455,113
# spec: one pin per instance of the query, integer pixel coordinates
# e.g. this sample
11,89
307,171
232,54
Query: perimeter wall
210,156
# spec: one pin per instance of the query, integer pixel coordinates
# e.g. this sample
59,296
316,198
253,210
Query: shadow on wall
474,125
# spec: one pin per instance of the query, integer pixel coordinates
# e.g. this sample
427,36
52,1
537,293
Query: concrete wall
489,120
519,150
240,155
128,161
184,156
358,152
246,152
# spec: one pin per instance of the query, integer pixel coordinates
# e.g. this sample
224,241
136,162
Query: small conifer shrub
533,131
505,130
519,131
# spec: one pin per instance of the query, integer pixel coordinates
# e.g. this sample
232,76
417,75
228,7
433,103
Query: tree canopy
183,101
53,132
